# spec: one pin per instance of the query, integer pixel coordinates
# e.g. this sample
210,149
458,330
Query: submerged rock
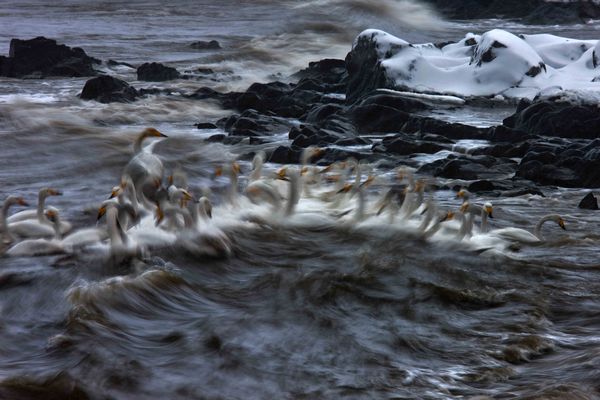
206,45
156,72
107,89
41,57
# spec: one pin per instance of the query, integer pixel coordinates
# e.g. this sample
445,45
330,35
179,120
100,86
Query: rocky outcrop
531,11
41,57
107,89
156,72
560,119
589,202
365,72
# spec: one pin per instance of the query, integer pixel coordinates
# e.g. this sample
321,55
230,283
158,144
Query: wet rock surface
538,144
42,57
107,89
532,11
156,72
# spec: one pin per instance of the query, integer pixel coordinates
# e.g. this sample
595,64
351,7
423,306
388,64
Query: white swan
144,166
474,210
40,247
5,233
232,170
38,226
524,236
37,213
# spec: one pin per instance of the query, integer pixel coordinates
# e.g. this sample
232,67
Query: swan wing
35,247
22,216
31,229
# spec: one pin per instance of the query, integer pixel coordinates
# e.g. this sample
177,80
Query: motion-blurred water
294,313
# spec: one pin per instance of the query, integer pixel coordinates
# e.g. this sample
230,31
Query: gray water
294,312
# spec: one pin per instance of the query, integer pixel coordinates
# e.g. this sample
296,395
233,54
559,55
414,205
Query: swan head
206,205
449,215
117,190
370,179
51,214
18,200
151,132
347,187
50,192
561,223
489,209
463,194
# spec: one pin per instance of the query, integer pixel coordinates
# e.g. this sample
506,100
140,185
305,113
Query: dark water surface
294,312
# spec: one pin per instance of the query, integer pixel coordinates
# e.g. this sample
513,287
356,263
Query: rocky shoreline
344,107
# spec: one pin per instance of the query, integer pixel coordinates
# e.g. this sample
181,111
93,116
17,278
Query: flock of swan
146,211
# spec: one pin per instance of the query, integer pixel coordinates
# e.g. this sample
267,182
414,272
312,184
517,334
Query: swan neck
111,224
40,206
484,221
293,194
537,231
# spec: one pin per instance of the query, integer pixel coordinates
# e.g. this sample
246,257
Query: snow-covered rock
496,64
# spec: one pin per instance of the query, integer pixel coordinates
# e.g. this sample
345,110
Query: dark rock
113,63
589,202
205,71
206,125
251,123
322,112
206,45
365,72
559,119
216,138
107,89
156,72
285,155
531,11
401,146
415,123
41,57
481,186
353,141
326,76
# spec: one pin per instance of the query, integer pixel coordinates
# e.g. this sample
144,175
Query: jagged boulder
41,57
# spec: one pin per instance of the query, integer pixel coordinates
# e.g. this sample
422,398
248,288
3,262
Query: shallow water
294,312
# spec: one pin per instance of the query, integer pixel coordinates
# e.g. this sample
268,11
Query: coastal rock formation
41,57
560,118
156,72
107,89
531,11
496,65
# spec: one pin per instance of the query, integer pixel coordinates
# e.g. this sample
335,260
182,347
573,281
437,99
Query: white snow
496,64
